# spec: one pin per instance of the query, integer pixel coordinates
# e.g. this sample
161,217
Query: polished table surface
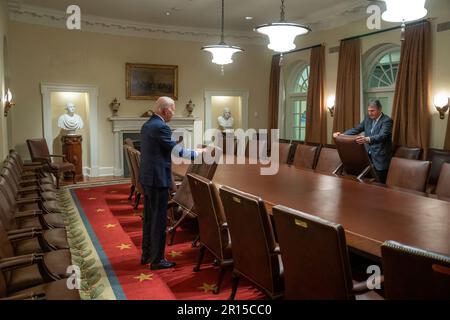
370,214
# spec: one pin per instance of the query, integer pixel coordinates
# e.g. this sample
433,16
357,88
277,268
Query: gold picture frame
151,81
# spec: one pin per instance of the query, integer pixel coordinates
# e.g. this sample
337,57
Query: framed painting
151,81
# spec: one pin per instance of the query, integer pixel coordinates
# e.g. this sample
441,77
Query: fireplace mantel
189,128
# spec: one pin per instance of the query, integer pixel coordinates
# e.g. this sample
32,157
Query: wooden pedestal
71,147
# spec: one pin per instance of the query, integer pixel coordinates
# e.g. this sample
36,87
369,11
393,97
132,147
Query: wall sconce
8,102
115,104
441,103
190,107
330,105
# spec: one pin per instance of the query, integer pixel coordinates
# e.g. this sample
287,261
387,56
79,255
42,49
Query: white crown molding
331,17
56,18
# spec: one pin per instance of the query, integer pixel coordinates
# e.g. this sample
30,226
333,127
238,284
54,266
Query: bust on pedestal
71,142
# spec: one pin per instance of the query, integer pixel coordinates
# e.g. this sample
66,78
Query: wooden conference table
370,214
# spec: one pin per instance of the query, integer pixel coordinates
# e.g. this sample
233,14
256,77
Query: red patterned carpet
116,231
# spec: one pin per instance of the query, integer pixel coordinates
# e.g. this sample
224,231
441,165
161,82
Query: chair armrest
27,201
29,189
361,287
27,214
63,156
43,160
40,295
25,235
19,231
19,262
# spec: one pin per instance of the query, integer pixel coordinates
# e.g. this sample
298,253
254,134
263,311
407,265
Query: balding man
156,178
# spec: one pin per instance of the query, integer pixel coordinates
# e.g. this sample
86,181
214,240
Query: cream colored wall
218,103
3,120
439,10
58,101
43,54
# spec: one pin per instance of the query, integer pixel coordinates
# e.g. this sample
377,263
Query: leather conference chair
408,174
443,186
354,157
315,258
46,201
411,273
285,152
256,255
27,228
28,211
437,158
181,205
328,161
39,153
305,156
212,224
128,144
37,268
31,169
408,153
135,157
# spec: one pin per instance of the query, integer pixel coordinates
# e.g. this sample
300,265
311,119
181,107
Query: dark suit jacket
156,149
380,146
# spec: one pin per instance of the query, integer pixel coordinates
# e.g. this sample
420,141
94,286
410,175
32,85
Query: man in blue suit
377,128
156,178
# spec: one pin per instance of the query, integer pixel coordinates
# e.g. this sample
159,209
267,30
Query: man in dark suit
377,128
156,178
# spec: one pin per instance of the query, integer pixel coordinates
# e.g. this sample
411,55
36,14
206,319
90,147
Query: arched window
297,91
381,68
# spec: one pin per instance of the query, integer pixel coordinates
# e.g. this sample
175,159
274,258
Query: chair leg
131,192
73,177
234,285
195,241
201,254
223,270
57,176
138,199
172,229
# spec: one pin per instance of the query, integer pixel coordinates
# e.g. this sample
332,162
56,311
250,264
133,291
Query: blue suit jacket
380,146
156,149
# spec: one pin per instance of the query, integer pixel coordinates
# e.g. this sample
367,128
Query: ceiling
205,14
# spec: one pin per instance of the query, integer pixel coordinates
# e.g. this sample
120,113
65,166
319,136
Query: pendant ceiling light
404,11
282,34
222,52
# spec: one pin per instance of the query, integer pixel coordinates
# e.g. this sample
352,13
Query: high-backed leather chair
285,152
328,160
354,157
255,252
443,186
437,158
37,268
39,152
305,156
30,171
135,157
127,144
408,174
182,204
408,153
411,273
212,224
315,258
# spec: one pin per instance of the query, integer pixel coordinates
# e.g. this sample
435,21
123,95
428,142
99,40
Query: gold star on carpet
109,226
92,198
113,191
208,287
124,246
143,277
174,254
100,210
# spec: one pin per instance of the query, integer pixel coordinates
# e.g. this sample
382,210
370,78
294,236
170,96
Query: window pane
296,108
296,119
302,134
384,73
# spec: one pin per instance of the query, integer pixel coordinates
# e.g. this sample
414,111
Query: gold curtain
411,113
316,116
348,86
274,92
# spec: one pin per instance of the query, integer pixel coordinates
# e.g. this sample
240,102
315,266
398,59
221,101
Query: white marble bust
70,121
226,121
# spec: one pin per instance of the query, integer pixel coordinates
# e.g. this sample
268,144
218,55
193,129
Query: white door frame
92,91
233,93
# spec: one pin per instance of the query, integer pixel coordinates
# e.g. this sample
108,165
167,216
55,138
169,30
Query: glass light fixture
222,52
282,34
442,104
404,11
331,101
